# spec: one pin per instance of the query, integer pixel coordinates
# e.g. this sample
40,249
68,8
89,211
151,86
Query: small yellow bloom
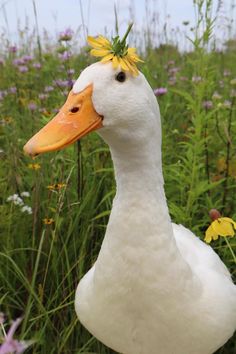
34,166
56,187
116,51
222,226
48,221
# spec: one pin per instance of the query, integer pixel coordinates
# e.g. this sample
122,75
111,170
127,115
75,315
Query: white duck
155,287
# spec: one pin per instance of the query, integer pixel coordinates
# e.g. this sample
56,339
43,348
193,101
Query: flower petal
107,58
115,62
210,234
99,52
223,227
230,220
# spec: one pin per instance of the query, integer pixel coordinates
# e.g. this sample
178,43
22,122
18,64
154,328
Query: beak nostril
74,109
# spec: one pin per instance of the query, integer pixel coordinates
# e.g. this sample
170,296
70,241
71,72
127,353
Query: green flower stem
231,250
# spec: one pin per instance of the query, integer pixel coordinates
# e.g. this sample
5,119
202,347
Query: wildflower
27,58
48,221
11,345
37,65
26,209
34,166
207,104
43,96
48,88
32,106
226,104
160,91
18,61
65,56
173,71
226,73
220,226
23,69
196,79
70,72
12,89
56,187
216,96
61,83
116,51
183,78
1,61
15,199
25,194
12,49
66,35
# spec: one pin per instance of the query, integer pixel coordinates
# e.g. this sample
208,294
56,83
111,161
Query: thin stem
230,248
228,150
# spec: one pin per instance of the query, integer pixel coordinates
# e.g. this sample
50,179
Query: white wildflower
15,199
25,194
26,209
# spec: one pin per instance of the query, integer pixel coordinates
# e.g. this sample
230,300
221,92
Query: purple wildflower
65,56
70,72
66,35
61,83
18,61
160,91
48,89
43,96
12,90
1,61
13,49
32,106
173,70
171,62
207,104
23,69
27,58
37,65
183,78
3,94
11,345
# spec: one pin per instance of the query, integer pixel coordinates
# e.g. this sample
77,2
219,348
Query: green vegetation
50,237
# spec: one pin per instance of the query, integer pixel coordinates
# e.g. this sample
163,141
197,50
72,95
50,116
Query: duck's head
120,106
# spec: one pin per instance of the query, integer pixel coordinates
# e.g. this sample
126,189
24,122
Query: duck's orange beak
76,118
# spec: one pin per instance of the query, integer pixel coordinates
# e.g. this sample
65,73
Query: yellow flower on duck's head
220,226
117,51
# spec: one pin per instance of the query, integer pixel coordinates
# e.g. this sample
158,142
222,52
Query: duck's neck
140,193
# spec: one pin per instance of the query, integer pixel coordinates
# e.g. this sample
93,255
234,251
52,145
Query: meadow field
54,209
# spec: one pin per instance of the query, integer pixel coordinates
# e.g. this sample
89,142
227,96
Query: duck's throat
140,199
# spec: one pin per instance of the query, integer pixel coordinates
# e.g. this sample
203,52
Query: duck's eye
121,76
74,109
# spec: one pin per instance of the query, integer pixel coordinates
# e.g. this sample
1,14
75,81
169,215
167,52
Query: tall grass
41,264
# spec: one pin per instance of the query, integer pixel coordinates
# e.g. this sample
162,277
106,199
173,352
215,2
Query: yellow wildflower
220,226
48,221
34,166
116,51
56,187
